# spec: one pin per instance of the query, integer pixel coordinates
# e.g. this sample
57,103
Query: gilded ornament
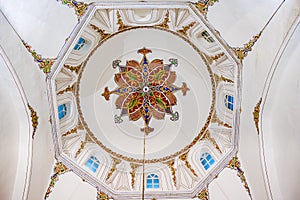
256,114
218,79
44,63
73,130
67,89
236,165
59,169
145,89
242,52
82,145
203,195
75,69
165,24
102,196
120,22
202,6
212,140
184,29
133,173
34,120
172,169
113,167
215,119
79,7
101,32
184,157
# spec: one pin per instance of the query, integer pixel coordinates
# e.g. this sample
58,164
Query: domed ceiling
146,89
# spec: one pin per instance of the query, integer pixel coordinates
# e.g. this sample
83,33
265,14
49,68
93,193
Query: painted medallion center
145,90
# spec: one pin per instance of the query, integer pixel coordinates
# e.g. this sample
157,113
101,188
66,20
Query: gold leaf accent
120,22
256,113
34,120
218,79
203,195
83,143
75,69
79,7
59,169
236,165
203,7
172,169
212,140
133,173
113,167
101,32
184,29
242,52
73,130
215,119
184,157
165,24
102,196
44,63
68,89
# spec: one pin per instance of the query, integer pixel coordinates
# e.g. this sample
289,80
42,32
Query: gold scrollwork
102,196
170,164
256,114
100,31
113,168
203,6
212,140
184,157
184,29
79,7
165,24
203,195
236,165
216,119
133,173
75,69
83,143
34,120
67,89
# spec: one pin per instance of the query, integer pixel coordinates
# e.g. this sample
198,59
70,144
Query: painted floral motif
145,90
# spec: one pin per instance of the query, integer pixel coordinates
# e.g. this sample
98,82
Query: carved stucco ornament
202,6
79,7
203,195
256,114
34,120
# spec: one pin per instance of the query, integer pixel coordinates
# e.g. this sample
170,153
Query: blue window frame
80,43
206,160
229,102
152,181
62,111
92,163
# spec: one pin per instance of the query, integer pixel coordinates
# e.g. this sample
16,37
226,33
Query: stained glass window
229,101
206,160
152,181
80,43
207,37
62,111
92,163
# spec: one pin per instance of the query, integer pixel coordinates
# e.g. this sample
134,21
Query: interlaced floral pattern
145,89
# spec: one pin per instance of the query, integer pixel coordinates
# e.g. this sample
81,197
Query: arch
152,181
225,90
18,162
206,160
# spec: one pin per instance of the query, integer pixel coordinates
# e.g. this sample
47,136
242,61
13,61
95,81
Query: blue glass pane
206,167
203,162
149,185
208,156
156,181
62,111
96,165
80,44
156,186
149,181
93,169
212,161
88,163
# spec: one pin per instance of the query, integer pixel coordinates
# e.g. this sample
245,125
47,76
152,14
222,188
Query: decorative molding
213,58
212,140
59,169
34,120
75,69
184,29
120,22
203,195
133,173
44,63
83,143
202,5
242,52
67,89
102,196
101,32
184,157
73,130
79,7
172,169
218,79
215,119
165,24
256,114
236,165
113,168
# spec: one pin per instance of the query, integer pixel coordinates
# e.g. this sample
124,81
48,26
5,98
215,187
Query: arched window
152,181
207,37
80,43
92,163
62,111
229,101
206,160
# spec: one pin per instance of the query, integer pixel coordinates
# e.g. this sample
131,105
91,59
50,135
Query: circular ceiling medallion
129,88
